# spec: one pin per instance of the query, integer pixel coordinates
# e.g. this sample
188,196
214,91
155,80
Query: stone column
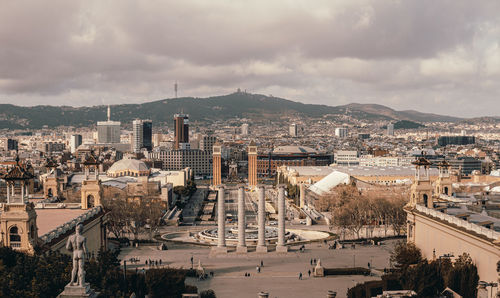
242,247
8,193
281,247
221,220
261,239
302,194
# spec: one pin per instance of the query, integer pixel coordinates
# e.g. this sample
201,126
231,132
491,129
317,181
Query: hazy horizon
439,57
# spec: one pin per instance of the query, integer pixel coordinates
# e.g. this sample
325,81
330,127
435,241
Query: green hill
236,105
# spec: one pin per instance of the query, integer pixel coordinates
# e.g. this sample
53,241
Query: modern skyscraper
142,135
390,129
108,132
11,144
75,141
181,131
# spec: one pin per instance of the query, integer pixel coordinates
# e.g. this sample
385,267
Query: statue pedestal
261,249
281,248
319,271
241,249
77,291
219,250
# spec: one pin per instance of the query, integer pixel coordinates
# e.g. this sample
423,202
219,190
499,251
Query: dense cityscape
270,149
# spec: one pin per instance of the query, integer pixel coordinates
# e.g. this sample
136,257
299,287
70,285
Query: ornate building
30,225
445,226
18,217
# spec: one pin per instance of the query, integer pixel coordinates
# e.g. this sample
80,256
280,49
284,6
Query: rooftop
49,219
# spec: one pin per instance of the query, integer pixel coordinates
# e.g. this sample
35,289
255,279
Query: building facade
181,131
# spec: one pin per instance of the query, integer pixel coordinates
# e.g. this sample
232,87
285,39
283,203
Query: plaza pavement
279,276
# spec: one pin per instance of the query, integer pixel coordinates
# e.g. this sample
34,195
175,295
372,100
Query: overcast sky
427,55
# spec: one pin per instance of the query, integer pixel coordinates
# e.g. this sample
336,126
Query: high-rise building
341,132
456,140
108,132
390,129
293,130
75,142
11,144
181,131
244,129
142,135
207,142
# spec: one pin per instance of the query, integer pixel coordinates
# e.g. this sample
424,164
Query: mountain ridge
234,105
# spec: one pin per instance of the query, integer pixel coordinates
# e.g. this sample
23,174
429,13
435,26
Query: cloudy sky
429,55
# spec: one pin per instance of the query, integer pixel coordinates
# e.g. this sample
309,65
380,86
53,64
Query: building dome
128,167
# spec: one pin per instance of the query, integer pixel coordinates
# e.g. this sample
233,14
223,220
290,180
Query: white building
346,157
341,132
390,129
75,141
244,129
108,132
293,130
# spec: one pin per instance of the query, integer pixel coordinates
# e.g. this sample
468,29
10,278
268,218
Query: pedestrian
300,275
369,265
261,263
311,261
258,269
309,272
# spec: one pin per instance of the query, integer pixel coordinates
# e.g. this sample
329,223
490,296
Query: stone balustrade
492,234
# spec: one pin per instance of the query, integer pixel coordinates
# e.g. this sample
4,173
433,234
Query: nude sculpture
78,245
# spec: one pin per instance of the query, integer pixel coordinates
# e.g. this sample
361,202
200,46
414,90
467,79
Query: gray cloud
417,54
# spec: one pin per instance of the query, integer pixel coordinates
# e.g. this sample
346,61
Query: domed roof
130,165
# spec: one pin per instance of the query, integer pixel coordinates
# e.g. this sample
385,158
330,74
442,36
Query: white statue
78,245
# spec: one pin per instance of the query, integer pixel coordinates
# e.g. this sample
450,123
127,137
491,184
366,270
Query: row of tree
133,216
352,209
430,277
46,275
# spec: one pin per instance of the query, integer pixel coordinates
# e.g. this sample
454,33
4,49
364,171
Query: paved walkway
279,276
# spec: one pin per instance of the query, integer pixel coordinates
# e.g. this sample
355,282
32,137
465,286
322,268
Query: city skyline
405,55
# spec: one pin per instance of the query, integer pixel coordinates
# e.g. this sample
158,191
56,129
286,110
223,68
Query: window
14,237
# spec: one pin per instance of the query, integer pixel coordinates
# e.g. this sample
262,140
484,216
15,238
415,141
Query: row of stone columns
261,220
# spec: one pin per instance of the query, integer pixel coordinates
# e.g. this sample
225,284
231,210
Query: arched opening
14,237
426,198
90,201
446,190
49,193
